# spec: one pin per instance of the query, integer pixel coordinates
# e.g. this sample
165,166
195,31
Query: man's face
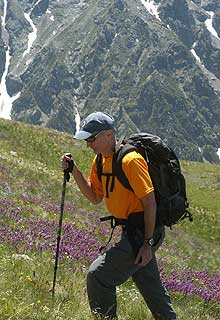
100,142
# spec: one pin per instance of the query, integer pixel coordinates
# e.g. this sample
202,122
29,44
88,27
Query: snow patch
218,153
152,8
4,14
77,119
36,4
209,25
32,36
196,56
214,81
5,100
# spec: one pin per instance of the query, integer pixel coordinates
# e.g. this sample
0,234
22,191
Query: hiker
134,255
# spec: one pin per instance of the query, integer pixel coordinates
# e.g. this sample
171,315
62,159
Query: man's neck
108,153
109,150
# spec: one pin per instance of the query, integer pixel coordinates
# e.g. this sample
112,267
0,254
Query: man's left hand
144,256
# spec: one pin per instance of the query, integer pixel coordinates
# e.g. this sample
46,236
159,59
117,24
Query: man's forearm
145,254
149,204
85,186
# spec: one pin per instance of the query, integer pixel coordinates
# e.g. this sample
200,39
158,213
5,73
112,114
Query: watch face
151,242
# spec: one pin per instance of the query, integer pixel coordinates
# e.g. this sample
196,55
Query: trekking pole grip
69,170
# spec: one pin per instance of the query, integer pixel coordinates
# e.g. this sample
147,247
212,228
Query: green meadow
31,182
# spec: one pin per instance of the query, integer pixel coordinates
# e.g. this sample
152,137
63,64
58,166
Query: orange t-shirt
121,202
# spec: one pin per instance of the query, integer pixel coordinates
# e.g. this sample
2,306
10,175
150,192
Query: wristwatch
149,242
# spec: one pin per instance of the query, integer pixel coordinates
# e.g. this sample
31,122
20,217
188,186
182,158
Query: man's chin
95,151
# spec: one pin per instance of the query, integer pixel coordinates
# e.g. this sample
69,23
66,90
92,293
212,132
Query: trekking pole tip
52,291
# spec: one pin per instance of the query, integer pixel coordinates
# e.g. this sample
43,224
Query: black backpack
165,172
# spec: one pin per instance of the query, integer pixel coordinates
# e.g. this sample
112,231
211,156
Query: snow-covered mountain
155,65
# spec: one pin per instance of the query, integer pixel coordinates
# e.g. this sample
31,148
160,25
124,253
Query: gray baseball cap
93,124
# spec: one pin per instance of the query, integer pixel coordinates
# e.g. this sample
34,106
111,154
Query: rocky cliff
153,64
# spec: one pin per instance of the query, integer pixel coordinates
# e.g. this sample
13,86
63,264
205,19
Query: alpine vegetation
30,194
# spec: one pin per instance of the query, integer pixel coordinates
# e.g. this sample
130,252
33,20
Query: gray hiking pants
112,269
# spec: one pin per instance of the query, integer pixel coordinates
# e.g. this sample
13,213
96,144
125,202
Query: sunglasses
92,138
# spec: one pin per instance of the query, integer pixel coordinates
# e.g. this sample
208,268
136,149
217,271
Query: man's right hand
68,163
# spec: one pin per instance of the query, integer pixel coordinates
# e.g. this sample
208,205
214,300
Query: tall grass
30,192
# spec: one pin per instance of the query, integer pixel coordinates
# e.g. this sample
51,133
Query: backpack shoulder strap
117,164
117,170
99,166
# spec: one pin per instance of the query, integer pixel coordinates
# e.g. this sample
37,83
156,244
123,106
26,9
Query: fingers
138,258
144,256
68,155
65,161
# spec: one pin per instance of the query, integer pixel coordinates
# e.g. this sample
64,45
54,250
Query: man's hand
67,163
144,256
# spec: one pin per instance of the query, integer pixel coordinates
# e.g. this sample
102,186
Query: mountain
154,65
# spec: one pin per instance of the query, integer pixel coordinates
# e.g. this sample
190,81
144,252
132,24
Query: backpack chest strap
108,176
116,169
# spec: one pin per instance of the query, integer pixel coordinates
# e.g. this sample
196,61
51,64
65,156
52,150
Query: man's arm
85,186
149,204
145,253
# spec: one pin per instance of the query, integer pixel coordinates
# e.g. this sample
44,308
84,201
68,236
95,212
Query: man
133,256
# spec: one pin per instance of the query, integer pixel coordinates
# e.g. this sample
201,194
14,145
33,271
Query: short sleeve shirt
121,201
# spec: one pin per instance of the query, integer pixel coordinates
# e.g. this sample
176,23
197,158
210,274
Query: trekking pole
66,178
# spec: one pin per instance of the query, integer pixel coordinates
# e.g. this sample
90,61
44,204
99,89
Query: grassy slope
30,190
